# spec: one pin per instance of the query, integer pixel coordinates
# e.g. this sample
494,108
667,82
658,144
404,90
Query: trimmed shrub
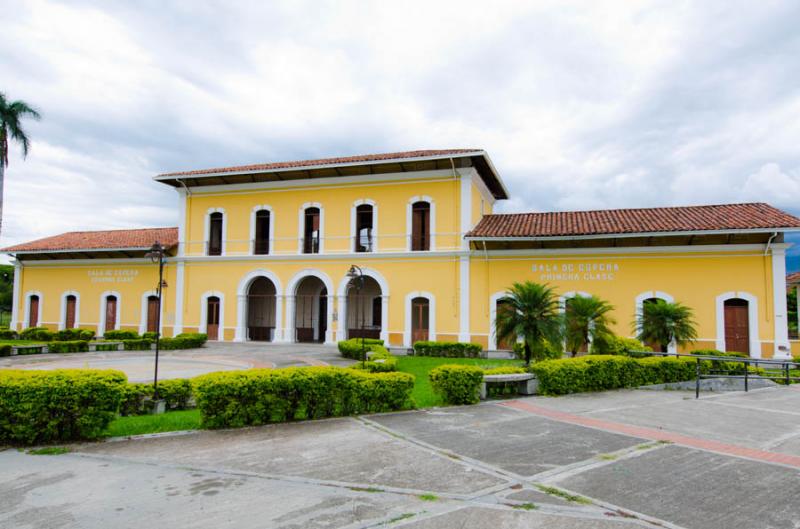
176,392
150,336
720,366
5,350
550,352
510,370
259,396
59,405
380,360
38,334
352,348
8,334
457,384
618,345
121,335
447,349
136,344
72,346
69,335
602,372
183,341
100,346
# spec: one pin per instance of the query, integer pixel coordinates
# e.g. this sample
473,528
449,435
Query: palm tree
661,322
11,114
586,318
530,311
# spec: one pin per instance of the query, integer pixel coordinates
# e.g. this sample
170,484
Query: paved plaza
613,460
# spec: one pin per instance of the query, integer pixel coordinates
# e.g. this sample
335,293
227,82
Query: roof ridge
579,211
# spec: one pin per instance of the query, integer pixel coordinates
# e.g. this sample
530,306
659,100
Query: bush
176,392
618,345
8,334
136,344
550,351
38,334
72,346
5,350
259,396
121,335
510,370
59,405
69,335
447,349
720,366
380,360
602,372
150,336
352,348
457,384
183,341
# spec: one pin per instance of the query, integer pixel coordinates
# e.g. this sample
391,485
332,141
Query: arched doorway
111,313
364,309
33,311
261,311
212,317
737,329
503,343
70,310
152,313
310,310
420,320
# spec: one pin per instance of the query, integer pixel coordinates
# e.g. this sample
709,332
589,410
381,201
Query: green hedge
136,344
5,350
176,392
380,360
121,335
59,405
457,384
260,396
447,349
352,348
602,372
8,334
618,345
72,346
149,335
69,335
190,340
39,334
549,352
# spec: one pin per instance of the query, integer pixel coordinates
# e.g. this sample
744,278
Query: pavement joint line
755,408
642,432
780,439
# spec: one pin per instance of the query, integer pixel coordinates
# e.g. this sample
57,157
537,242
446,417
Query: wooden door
69,320
111,313
737,329
33,311
212,318
420,227
503,344
420,320
152,314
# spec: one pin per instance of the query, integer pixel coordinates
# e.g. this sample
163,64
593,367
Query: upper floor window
364,226
261,243
311,230
420,226
215,234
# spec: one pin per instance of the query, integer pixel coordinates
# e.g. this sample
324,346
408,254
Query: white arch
301,226
241,305
657,294
409,216
291,291
101,327
62,322
204,313
562,299
143,314
341,308
493,299
271,235
752,320
408,316
26,322
353,217
207,233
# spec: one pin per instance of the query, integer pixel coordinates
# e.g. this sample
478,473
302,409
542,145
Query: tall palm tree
662,322
529,311
586,318
11,115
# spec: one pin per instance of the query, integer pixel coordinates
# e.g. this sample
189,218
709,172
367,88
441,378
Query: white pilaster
241,318
181,222
463,299
179,295
781,342
15,301
466,208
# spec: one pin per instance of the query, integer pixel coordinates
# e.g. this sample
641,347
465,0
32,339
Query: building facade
262,253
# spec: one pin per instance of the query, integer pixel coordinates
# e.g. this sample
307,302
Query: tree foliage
662,322
586,318
531,312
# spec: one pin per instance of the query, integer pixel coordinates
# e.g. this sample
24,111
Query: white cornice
631,235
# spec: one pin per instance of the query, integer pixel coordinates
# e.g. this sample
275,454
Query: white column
179,286
15,301
466,208
463,299
181,222
241,318
781,342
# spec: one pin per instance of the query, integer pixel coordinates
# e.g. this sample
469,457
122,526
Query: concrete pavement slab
512,441
536,497
696,489
337,450
481,518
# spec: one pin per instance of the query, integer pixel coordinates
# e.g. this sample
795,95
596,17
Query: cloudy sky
581,105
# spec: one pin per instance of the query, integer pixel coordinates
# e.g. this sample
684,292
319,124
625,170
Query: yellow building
262,253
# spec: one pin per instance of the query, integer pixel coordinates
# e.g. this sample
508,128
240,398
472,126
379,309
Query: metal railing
778,370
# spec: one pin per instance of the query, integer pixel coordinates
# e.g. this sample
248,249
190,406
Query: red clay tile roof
793,279
723,217
100,240
326,161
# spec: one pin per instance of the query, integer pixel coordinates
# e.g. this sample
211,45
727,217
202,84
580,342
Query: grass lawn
141,424
419,366
21,342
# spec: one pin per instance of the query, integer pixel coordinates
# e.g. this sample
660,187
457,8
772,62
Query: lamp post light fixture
356,276
157,254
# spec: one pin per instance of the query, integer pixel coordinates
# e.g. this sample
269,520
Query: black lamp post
356,276
157,254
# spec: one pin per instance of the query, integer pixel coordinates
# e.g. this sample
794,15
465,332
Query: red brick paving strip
659,435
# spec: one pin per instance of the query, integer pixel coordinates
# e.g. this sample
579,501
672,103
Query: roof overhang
632,235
